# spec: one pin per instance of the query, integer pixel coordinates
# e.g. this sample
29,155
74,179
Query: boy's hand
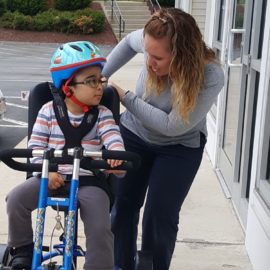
114,162
55,180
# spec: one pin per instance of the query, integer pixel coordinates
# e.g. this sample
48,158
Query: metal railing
117,15
153,5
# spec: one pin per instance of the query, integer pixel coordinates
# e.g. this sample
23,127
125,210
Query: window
262,29
268,163
221,20
263,183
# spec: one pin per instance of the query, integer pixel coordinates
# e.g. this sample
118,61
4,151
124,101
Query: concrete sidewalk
210,235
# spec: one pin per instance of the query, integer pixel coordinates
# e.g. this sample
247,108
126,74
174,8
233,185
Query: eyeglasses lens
94,82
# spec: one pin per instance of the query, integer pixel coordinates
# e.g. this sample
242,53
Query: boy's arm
40,134
108,131
111,138
39,140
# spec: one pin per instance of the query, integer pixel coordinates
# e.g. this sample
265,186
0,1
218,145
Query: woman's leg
95,214
129,198
172,175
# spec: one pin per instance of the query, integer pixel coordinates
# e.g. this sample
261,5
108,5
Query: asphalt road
22,66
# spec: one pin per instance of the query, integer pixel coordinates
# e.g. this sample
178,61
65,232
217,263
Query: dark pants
167,172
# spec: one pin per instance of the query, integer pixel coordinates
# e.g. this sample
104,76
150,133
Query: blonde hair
189,53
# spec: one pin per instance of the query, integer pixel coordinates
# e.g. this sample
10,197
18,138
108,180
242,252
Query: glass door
242,68
233,49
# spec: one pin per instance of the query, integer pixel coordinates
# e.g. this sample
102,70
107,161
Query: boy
76,70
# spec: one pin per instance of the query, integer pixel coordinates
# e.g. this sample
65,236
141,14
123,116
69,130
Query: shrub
97,18
82,21
71,4
2,7
98,21
12,5
43,21
62,22
16,20
7,19
23,22
27,7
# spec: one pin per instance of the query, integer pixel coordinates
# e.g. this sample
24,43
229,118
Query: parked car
3,107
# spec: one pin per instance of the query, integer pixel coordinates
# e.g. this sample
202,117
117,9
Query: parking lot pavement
23,65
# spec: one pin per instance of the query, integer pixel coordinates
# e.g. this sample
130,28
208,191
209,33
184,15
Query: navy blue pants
167,172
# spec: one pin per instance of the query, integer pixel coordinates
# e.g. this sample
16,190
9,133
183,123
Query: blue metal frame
67,249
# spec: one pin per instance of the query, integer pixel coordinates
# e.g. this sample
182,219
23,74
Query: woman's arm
170,124
126,49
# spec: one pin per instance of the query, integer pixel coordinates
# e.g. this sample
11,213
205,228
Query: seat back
41,94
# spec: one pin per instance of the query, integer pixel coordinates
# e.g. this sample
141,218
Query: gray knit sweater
153,119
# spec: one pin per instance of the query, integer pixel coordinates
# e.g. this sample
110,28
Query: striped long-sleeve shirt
47,134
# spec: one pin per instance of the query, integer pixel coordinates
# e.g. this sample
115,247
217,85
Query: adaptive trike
67,249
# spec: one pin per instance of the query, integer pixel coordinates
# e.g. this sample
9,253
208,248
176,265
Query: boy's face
88,87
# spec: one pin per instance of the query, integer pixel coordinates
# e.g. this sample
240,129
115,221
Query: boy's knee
18,199
101,232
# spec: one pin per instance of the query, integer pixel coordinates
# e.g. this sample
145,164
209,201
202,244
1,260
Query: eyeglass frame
101,81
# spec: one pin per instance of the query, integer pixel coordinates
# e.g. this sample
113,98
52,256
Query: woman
165,122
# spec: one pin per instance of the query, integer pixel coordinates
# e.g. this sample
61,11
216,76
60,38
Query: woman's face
158,54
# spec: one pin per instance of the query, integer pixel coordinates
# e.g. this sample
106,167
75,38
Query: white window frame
263,184
259,204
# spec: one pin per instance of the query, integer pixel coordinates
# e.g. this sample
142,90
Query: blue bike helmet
72,56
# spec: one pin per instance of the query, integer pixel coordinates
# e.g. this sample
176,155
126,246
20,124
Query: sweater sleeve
171,124
124,51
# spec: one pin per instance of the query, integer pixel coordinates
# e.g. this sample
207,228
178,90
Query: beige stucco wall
196,8
198,11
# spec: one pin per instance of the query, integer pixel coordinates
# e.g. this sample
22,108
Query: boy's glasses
92,82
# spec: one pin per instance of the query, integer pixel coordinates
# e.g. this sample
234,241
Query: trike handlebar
132,159
7,156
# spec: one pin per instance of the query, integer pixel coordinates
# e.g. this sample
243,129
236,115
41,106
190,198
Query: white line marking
6,53
17,97
15,121
17,105
13,126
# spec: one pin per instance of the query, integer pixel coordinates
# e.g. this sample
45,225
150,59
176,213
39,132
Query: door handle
230,49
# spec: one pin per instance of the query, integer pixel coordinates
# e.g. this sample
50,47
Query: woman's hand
121,92
55,180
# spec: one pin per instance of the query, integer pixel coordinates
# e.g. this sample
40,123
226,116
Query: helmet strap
69,94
